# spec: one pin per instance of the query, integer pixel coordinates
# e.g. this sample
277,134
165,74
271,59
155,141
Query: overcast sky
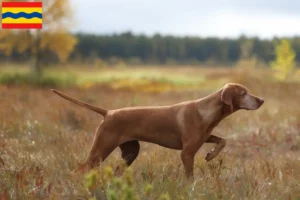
222,18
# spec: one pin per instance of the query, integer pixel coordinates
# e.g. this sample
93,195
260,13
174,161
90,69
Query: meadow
43,138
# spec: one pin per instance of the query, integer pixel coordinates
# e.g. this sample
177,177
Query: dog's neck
213,106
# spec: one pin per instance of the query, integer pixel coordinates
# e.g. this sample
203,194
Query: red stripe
22,26
22,4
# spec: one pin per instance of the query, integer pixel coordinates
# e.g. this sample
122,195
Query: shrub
285,60
122,188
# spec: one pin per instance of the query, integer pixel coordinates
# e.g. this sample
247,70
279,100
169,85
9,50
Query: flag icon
22,15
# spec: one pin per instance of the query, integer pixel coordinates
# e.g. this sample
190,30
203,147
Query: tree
285,59
53,38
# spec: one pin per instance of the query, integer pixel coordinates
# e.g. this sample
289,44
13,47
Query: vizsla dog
184,126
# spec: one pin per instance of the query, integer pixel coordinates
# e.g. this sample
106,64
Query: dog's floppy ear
227,96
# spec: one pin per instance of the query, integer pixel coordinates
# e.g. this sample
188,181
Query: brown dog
184,126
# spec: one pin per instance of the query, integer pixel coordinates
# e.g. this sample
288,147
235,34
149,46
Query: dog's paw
209,156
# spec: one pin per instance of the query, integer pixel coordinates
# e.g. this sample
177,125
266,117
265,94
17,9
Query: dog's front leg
220,145
188,163
188,153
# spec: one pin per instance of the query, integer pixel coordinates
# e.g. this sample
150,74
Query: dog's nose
261,100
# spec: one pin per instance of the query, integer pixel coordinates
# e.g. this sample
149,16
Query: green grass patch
141,79
44,81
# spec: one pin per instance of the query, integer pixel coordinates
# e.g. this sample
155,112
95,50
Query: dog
184,126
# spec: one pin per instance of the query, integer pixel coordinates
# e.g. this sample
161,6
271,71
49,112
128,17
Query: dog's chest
208,115
210,119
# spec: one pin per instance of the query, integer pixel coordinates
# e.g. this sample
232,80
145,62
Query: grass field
43,137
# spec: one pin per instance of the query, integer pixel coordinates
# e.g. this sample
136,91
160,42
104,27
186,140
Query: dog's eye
244,93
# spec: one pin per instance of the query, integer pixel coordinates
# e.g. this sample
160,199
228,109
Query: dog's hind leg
104,143
129,152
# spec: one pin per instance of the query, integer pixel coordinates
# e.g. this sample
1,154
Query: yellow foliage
6,41
26,39
63,44
56,14
285,60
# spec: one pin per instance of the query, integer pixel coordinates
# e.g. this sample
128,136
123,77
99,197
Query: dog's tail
86,105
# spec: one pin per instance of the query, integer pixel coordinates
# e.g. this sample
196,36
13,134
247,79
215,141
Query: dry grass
43,138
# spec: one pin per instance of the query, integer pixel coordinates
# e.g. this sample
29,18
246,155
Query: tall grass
43,139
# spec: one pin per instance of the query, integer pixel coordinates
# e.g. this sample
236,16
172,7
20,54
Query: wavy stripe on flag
22,21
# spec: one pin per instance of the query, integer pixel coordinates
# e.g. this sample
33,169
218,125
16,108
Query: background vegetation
159,49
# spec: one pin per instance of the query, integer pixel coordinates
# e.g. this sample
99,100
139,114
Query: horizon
191,36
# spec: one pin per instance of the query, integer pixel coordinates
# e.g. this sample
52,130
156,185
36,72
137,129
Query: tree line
164,49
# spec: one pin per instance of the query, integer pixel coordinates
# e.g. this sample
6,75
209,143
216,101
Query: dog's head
238,97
